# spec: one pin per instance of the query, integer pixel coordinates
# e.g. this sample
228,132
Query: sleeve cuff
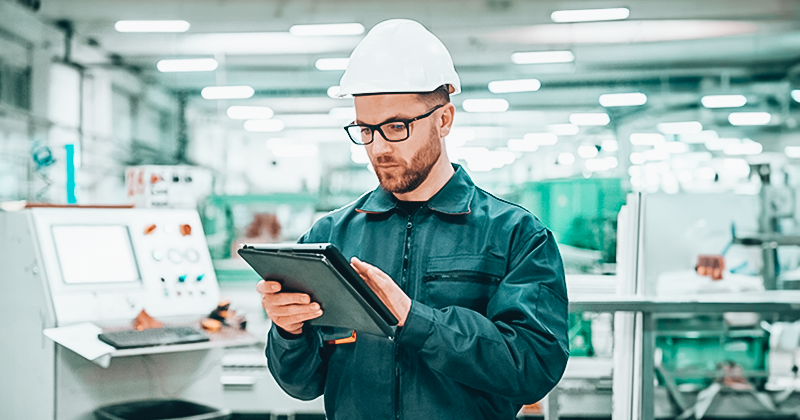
277,339
418,326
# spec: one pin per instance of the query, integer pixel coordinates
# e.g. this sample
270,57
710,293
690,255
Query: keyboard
130,339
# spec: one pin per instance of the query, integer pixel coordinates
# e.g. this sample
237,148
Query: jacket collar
454,198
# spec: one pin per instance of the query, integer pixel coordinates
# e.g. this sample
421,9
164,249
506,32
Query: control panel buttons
169,229
186,230
192,255
175,256
158,255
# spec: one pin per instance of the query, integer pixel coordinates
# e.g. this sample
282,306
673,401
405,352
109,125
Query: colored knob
150,229
182,278
200,277
186,230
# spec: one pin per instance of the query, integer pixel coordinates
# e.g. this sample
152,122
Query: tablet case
313,274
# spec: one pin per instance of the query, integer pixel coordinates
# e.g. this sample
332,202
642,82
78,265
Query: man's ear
446,121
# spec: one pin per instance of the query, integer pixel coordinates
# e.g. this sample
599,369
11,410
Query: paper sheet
82,339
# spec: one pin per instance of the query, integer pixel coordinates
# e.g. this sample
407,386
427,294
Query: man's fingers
368,271
288,299
266,287
289,322
291,310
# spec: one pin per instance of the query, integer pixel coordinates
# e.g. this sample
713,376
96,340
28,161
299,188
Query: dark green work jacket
487,331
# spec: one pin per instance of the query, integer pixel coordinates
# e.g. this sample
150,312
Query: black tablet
322,272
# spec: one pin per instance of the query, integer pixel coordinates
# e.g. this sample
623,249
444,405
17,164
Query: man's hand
711,266
387,290
287,310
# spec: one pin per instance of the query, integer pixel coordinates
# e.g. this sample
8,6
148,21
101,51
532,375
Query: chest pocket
469,281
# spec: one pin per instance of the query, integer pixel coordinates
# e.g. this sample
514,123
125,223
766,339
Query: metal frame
764,302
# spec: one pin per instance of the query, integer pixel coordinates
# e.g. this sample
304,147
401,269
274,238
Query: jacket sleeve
520,348
299,365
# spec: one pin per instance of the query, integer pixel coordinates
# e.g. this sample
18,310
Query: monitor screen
95,254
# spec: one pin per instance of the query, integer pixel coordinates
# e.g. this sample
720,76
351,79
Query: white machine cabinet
67,266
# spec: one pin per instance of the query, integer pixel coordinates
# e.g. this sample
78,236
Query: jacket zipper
403,282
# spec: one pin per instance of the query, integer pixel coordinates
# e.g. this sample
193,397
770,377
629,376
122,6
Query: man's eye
396,127
365,130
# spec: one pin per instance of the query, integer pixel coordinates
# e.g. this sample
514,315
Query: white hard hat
399,56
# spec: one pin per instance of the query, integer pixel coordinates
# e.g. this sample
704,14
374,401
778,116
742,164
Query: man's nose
379,144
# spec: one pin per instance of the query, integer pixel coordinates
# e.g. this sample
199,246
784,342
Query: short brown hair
440,96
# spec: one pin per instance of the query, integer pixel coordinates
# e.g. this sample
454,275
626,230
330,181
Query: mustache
387,160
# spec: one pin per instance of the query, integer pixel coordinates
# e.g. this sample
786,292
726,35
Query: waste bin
160,410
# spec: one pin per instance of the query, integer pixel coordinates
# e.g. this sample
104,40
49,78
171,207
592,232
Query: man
476,283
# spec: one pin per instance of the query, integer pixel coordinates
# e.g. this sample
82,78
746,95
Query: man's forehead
374,109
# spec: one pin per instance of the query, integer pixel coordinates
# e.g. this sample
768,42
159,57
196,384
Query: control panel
109,264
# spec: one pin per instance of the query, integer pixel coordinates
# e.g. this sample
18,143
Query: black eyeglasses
393,131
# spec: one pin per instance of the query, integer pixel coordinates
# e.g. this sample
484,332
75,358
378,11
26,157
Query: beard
407,177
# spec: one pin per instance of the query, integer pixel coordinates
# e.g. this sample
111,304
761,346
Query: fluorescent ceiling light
191,64
720,143
522,145
598,165
459,136
509,86
263,126
590,118
465,153
672,147
746,147
705,174
609,145
541,139
485,105
152,26
590,15
543,57
623,99
792,152
637,158
333,91
735,168
330,29
587,151
796,95
646,139
723,101
565,159
700,137
250,112
326,64
343,113
564,129
688,127
227,92
749,118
